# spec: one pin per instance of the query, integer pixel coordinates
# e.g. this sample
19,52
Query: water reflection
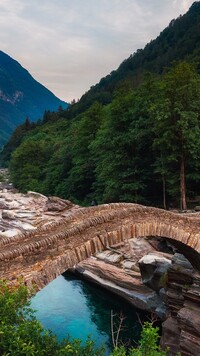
70,306
101,302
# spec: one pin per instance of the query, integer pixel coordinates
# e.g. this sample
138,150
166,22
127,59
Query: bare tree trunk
183,205
163,183
164,193
112,328
116,328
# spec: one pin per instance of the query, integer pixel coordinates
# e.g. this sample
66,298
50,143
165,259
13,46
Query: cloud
184,4
69,45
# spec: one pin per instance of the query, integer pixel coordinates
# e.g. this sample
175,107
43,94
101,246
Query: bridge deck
42,254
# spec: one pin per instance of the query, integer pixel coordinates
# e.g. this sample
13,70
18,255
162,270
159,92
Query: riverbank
118,271
167,286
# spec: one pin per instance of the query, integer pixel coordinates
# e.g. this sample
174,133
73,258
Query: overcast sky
69,45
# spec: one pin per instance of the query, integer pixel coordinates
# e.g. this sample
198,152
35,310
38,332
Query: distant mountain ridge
21,96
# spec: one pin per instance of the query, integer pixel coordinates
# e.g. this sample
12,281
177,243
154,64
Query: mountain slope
180,40
21,96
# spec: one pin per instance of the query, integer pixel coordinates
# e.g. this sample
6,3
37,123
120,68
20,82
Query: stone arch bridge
41,255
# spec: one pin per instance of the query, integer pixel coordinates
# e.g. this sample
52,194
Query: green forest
142,147
134,137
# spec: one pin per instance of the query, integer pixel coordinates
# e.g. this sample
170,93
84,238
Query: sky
69,45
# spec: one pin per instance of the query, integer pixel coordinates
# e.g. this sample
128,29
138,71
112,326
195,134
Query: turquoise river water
72,307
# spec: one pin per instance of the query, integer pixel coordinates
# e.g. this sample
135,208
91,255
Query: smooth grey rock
58,204
21,214
161,311
7,214
109,256
182,261
153,270
9,233
13,205
126,264
36,195
24,225
149,302
3,205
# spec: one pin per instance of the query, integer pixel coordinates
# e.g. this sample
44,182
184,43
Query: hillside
180,40
21,96
135,136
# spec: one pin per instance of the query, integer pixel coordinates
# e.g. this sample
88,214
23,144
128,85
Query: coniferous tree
177,123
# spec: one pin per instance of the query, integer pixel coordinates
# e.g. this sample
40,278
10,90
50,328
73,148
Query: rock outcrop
119,270
154,270
123,282
27,212
181,330
172,289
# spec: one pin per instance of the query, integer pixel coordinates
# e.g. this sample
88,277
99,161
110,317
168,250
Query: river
72,307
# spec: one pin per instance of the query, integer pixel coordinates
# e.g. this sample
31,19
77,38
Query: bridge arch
40,256
180,238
